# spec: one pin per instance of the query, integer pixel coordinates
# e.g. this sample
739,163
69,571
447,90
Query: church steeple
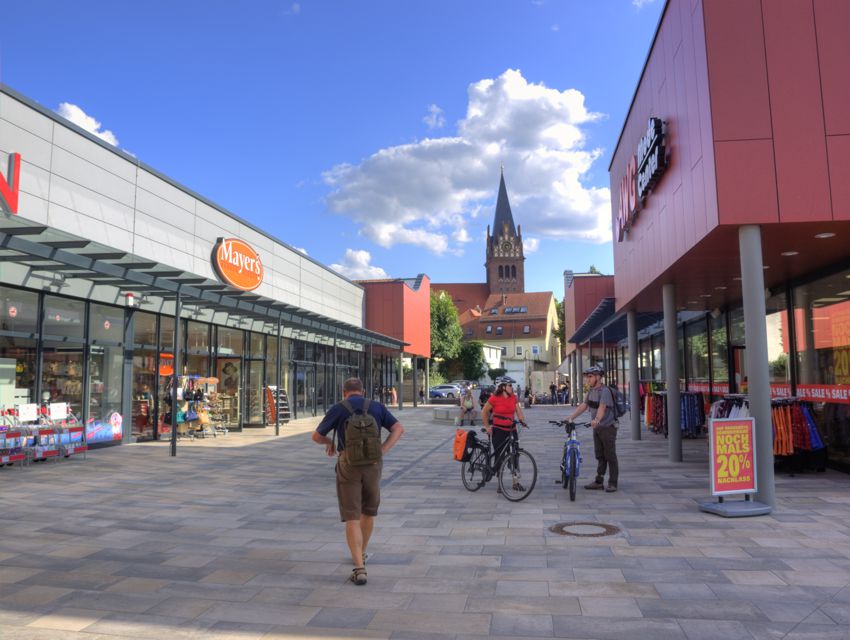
503,210
505,256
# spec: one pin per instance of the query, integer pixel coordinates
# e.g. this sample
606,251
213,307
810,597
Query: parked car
445,391
464,384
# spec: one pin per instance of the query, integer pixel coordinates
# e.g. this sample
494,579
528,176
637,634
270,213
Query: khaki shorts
358,489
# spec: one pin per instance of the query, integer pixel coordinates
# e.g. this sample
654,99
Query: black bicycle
516,470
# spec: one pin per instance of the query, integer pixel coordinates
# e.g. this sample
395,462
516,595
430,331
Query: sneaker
611,488
594,486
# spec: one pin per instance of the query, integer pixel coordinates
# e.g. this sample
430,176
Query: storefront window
229,372
198,349
254,401
18,325
658,373
144,375
256,345
719,356
778,346
697,356
106,374
645,362
63,352
822,329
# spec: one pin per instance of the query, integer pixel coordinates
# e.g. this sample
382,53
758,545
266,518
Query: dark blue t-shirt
337,415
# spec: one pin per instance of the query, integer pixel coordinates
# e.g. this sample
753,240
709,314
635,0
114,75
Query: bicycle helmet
594,371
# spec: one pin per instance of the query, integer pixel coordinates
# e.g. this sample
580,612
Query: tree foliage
560,331
446,332
496,373
472,360
593,269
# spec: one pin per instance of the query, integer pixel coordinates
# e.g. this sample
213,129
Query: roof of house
537,303
465,295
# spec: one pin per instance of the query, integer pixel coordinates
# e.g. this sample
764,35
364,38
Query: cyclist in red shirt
498,417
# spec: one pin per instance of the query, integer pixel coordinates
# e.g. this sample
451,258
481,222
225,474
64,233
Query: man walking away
552,390
358,469
600,400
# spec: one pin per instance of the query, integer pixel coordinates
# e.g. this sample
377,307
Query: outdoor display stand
732,458
29,433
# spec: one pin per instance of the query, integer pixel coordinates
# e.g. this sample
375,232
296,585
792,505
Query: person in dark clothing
358,488
552,391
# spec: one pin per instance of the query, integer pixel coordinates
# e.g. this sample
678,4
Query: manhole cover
584,529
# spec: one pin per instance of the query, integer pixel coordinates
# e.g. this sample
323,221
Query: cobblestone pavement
239,537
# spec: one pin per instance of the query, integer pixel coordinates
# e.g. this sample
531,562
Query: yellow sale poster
732,455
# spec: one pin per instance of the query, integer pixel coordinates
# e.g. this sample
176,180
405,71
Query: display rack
29,433
277,401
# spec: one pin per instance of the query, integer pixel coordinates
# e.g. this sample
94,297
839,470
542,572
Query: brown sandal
358,576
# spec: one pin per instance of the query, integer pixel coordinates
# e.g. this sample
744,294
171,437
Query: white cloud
640,4
424,192
301,250
356,266
435,118
530,245
80,118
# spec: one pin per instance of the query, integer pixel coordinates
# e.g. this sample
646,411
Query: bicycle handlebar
566,423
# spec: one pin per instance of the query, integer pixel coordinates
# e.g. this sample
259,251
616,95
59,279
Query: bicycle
480,469
571,459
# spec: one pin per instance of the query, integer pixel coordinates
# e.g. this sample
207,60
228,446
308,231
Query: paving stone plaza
238,537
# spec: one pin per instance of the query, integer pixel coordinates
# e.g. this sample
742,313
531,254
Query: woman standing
498,418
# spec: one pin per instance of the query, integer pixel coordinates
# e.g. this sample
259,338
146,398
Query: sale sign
732,455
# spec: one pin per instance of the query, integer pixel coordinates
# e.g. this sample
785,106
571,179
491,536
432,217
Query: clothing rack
691,413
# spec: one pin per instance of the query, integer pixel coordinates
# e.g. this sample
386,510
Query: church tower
504,264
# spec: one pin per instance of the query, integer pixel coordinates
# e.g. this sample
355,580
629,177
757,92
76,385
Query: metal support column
634,386
755,335
415,383
277,379
671,373
400,381
334,390
178,367
127,395
370,375
427,380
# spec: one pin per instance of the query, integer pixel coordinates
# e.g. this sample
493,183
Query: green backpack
362,436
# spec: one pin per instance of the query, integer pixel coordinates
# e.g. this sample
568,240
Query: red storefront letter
9,194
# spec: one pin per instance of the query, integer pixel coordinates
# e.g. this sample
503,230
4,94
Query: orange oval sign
237,264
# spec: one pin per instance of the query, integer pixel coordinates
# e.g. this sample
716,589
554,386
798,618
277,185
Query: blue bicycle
571,459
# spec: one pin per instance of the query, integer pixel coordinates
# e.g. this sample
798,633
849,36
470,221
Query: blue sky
370,133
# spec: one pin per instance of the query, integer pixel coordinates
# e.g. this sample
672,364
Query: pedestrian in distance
422,395
600,401
357,424
552,390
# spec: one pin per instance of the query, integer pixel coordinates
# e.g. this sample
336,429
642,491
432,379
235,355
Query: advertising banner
732,455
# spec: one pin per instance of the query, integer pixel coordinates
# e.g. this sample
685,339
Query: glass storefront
229,350
18,347
106,374
821,321
144,401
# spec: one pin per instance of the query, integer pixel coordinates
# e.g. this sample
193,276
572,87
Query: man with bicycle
498,418
600,400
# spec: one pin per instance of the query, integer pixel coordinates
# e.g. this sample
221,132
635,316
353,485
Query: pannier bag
464,444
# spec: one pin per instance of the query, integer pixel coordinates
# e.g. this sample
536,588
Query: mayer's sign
237,264
643,171
9,186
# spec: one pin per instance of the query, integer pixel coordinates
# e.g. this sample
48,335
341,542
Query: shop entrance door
254,395
739,370
305,390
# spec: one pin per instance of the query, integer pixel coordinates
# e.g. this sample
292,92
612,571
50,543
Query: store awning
604,323
56,256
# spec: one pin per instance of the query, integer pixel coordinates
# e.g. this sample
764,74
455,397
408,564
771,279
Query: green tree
496,373
472,361
593,269
560,332
446,333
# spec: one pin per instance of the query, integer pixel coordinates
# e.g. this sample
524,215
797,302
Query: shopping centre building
99,255
731,220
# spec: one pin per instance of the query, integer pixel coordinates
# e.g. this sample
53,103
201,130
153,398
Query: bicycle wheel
473,472
565,469
517,475
573,474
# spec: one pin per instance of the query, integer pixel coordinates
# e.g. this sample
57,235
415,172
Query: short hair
352,385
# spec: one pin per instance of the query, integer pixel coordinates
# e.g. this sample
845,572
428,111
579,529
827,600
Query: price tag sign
27,412
732,455
58,410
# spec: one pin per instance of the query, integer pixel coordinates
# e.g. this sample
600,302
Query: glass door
254,394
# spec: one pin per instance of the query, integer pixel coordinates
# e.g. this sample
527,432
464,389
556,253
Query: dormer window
498,331
489,329
526,329
494,311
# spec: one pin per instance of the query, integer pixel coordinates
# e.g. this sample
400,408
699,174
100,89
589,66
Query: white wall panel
34,180
154,250
165,211
91,204
167,234
64,219
33,149
94,153
32,208
25,117
166,191
75,169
